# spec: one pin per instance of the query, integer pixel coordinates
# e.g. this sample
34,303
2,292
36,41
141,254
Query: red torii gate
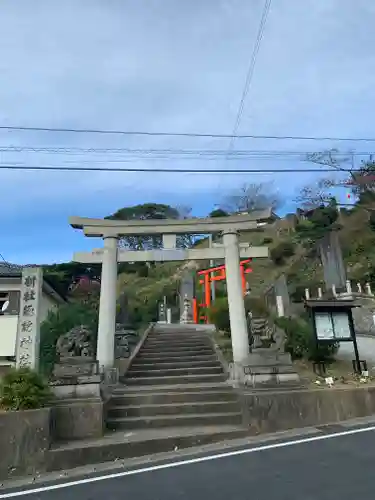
216,274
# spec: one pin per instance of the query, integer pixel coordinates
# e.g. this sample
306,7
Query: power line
169,151
185,134
171,170
250,71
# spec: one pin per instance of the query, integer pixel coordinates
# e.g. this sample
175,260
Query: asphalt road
338,468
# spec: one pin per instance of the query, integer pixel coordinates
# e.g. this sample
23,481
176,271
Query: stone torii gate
110,255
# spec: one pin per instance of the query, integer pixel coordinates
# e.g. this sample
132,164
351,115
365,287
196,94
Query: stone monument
28,333
76,373
332,261
186,294
125,341
186,316
266,366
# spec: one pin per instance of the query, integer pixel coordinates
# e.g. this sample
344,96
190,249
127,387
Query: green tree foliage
23,389
146,211
62,276
320,221
282,251
218,212
60,321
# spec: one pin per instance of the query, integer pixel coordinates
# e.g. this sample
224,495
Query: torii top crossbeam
107,227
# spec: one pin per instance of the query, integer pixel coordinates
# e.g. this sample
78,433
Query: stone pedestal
265,368
78,407
76,377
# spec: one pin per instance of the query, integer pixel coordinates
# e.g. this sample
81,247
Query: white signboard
341,325
324,326
332,326
27,349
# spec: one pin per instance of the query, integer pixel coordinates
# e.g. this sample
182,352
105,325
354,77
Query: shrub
60,321
301,343
218,314
282,251
23,389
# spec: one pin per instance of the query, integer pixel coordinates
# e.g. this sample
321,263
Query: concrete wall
9,322
276,411
8,336
24,441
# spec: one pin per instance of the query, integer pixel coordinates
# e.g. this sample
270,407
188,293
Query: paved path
316,467
366,348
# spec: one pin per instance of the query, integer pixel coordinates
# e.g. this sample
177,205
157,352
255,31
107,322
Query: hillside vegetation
292,242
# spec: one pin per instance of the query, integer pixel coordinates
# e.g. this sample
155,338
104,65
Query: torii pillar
107,304
237,316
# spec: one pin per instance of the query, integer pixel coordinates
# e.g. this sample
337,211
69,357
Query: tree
361,180
63,276
252,197
364,181
316,195
218,212
150,211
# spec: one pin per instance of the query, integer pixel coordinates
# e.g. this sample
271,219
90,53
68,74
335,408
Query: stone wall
77,419
363,316
24,440
276,411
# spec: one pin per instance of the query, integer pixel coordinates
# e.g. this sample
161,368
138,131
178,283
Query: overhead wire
169,170
169,151
250,71
184,134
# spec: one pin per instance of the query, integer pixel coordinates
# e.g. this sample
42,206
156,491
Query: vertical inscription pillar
28,332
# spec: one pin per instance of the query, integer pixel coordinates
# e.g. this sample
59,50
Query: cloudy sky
167,65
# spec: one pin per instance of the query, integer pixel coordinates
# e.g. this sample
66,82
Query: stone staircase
175,381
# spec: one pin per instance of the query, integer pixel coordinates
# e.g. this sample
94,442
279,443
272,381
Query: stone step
193,386
173,397
177,379
178,338
193,420
176,363
185,408
177,347
175,359
188,336
118,445
170,372
177,343
178,352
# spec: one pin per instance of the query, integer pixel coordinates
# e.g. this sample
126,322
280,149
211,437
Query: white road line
169,465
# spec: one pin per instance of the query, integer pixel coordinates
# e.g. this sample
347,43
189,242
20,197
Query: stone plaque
281,290
27,347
